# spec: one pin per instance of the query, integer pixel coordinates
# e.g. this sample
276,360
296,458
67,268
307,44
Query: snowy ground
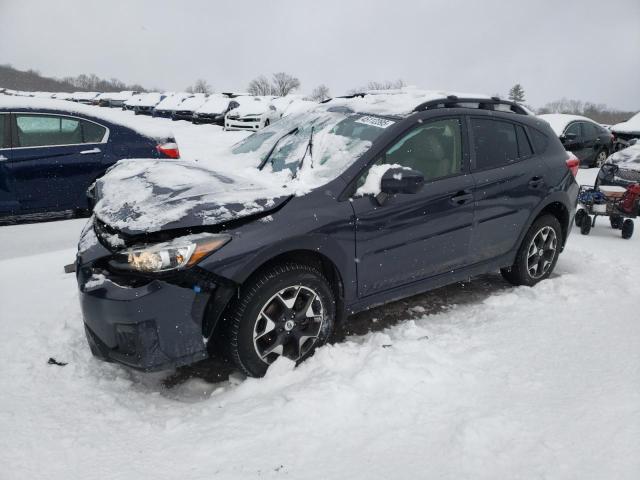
475,380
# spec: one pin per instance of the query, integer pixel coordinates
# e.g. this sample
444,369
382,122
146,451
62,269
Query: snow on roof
193,103
630,126
396,102
150,129
151,99
559,121
172,102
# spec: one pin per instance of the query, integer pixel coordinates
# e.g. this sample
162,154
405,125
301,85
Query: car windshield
337,140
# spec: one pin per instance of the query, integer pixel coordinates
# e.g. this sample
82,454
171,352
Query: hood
143,196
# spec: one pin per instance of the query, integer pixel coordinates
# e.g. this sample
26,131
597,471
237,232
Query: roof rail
453,101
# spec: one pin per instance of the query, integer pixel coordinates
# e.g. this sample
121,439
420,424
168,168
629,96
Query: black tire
615,221
264,291
585,225
267,123
627,229
600,158
580,216
519,273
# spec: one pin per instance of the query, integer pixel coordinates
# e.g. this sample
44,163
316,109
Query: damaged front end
144,304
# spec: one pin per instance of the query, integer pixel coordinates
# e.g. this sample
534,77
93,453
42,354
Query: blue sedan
51,152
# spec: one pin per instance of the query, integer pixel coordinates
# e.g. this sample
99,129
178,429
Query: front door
411,237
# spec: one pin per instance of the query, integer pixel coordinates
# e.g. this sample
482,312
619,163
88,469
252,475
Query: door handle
87,152
536,182
3,158
462,197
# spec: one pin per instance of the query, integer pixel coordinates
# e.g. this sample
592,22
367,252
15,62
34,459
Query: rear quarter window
495,143
539,140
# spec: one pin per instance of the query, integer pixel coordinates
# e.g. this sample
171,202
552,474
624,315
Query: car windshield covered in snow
327,141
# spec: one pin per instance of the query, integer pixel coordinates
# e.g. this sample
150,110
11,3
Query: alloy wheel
542,251
288,324
601,158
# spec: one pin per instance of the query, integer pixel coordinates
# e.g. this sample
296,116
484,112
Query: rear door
8,200
510,182
54,160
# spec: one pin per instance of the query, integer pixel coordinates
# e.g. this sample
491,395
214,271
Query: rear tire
580,216
627,229
287,310
538,253
585,225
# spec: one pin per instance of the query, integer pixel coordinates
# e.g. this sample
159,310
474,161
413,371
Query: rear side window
51,130
539,140
495,143
524,147
92,132
589,130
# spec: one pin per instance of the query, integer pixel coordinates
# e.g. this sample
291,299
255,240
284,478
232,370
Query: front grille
108,236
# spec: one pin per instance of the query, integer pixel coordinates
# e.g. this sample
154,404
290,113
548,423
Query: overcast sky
588,49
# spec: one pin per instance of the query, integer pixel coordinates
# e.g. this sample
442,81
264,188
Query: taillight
573,164
169,150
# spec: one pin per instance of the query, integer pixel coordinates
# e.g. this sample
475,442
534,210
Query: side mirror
399,180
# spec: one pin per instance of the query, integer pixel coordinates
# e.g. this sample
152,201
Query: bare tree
283,84
201,86
260,86
320,93
376,85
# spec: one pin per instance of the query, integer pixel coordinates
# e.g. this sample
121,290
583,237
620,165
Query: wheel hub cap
288,324
542,252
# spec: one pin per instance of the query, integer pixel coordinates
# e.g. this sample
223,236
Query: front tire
287,310
538,253
627,229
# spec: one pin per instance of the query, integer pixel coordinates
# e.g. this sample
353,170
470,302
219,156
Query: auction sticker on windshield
375,121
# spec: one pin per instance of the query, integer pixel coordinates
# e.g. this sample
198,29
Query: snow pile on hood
214,104
150,99
250,106
172,102
193,103
628,158
630,126
148,129
559,121
395,102
142,195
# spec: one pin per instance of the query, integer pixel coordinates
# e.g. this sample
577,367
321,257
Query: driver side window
433,148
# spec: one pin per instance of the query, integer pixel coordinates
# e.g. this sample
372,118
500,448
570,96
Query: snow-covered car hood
142,196
630,126
628,158
249,107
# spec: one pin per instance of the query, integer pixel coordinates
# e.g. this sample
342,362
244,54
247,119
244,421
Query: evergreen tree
516,94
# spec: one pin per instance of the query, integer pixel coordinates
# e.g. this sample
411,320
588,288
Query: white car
170,104
299,106
252,113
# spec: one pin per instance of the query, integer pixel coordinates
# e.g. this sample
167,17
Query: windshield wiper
266,158
308,149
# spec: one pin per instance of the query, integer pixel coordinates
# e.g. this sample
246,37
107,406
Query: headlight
181,252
